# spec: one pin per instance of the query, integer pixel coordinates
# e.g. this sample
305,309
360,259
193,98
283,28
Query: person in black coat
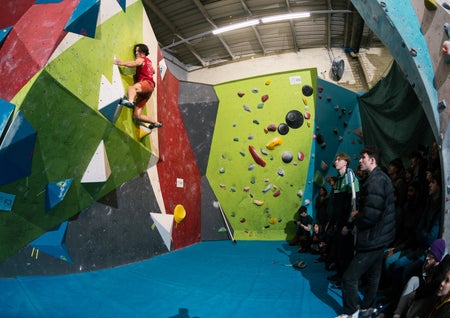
375,231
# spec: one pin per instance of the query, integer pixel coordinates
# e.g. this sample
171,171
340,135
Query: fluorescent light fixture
288,16
236,26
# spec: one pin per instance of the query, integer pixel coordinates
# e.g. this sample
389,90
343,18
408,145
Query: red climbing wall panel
177,160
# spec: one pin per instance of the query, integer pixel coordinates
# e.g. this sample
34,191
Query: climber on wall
140,92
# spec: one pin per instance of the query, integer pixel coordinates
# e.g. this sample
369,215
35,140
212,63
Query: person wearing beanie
437,250
422,285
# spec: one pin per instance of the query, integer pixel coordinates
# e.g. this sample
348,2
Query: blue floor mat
209,279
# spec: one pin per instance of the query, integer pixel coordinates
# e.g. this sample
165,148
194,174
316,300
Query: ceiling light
288,16
236,26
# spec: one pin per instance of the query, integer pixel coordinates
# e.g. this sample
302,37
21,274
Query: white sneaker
354,315
367,312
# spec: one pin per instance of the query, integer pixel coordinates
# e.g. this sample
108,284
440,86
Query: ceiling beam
328,32
210,21
255,30
292,26
174,30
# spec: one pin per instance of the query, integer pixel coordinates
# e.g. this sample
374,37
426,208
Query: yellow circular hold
179,213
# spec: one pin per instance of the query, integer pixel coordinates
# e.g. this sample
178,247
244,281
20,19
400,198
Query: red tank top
145,71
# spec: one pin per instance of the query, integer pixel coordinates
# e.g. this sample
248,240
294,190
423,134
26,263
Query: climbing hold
277,193
222,170
307,90
305,101
323,165
179,213
283,129
320,89
413,52
300,193
258,202
267,188
255,90
446,5
264,98
280,172
274,142
246,108
294,119
256,121
272,127
447,29
442,105
319,139
267,82
430,5
286,156
260,106
307,115
240,94
301,156
222,230
256,156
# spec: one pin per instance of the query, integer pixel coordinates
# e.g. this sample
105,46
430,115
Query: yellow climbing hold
274,142
258,202
179,213
430,5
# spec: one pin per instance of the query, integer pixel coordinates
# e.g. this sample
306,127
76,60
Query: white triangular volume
108,9
108,94
117,81
98,169
164,224
152,174
162,68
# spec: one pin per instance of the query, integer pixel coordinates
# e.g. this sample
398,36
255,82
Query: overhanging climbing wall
59,77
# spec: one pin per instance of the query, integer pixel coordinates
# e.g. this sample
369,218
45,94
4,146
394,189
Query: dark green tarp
393,118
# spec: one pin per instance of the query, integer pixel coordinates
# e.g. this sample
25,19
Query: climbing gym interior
212,195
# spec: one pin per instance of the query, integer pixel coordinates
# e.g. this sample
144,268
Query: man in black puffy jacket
375,230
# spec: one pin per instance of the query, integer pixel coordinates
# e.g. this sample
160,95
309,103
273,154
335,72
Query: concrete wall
361,71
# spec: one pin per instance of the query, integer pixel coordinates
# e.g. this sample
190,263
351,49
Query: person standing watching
345,194
375,231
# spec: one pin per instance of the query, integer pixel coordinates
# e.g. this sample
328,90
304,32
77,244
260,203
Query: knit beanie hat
438,249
